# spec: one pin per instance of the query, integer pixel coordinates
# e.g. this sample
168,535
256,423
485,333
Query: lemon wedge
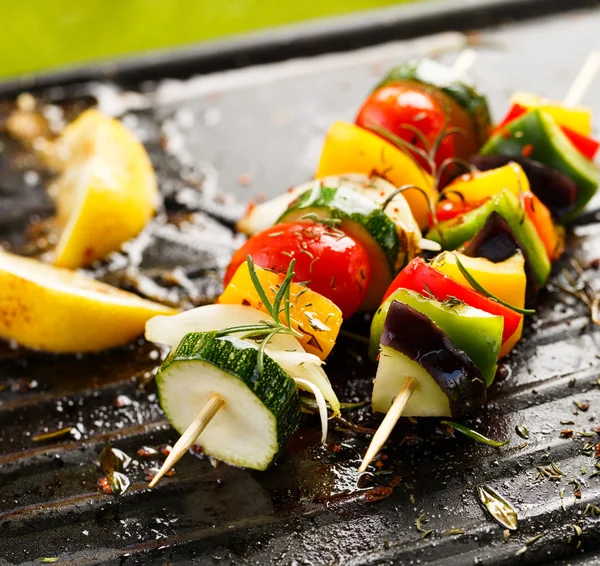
106,191
57,310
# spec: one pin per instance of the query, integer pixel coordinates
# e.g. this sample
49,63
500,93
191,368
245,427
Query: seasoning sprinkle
52,435
419,526
522,431
499,508
451,532
528,543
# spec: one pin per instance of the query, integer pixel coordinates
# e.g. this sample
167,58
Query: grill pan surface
216,142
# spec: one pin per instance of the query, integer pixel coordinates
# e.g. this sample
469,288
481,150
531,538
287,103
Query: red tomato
410,103
336,266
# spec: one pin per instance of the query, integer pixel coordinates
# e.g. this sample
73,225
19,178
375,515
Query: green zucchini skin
537,136
432,73
343,203
238,358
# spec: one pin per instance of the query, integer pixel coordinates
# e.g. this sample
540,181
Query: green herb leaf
499,508
49,560
283,289
476,285
257,285
474,434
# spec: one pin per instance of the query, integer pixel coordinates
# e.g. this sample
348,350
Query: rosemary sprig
264,331
476,285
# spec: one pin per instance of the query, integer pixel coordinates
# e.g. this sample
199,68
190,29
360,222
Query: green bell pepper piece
453,233
476,332
536,135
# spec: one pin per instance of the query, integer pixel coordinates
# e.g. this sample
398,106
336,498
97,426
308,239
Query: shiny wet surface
211,141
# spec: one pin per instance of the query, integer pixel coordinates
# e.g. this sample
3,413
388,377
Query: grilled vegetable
329,262
424,279
363,220
575,122
538,136
476,332
261,408
316,318
448,383
505,279
557,191
378,190
351,149
421,103
285,349
473,189
429,72
577,118
454,233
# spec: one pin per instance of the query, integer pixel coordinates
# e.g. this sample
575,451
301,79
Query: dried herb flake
499,508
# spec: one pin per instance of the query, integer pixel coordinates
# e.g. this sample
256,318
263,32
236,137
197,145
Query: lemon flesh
56,310
106,192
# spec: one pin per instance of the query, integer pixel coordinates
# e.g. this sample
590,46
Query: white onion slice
308,386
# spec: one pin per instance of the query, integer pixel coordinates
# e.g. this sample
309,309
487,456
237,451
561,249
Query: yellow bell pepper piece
475,188
349,148
482,185
505,279
311,314
576,118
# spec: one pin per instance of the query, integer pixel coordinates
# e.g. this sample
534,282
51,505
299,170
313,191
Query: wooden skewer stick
190,435
583,80
388,423
464,62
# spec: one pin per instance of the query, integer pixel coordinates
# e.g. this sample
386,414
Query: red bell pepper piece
586,145
420,277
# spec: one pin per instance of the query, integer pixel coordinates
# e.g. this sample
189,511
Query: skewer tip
388,423
190,435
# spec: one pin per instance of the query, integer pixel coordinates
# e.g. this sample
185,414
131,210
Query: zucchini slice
449,384
283,348
261,409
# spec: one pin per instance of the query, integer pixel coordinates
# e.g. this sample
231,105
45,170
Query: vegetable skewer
442,327
477,236
264,365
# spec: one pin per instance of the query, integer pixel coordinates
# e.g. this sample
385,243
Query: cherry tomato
336,266
424,108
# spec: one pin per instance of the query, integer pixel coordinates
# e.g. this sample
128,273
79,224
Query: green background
42,34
